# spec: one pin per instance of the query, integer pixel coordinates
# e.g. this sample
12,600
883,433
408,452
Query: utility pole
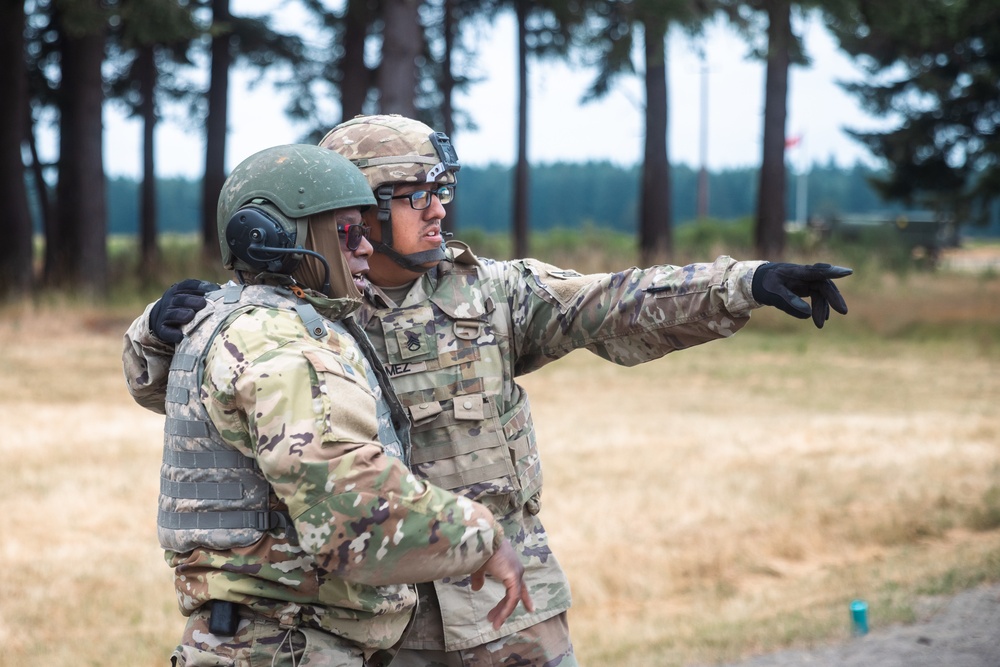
703,148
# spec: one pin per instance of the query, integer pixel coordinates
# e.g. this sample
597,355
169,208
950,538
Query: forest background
932,76
571,196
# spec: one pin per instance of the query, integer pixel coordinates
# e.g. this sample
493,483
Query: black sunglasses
354,234
421,199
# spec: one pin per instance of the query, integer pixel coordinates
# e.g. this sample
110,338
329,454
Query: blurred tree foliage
934,72
934,64
570,196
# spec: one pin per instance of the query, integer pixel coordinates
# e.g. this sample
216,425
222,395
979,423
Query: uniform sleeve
306,412
146,363
627,317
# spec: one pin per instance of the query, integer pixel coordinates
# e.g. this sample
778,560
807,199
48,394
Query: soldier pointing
455,331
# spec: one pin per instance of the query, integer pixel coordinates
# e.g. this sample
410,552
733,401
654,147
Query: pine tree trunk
16,274
356,77
522,168
769,228
447,85
655,217
76,249
215,134
402,44
146,65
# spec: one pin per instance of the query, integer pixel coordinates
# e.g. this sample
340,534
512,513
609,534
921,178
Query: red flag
792,142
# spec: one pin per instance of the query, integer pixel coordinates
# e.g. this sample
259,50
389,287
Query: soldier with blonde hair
454,331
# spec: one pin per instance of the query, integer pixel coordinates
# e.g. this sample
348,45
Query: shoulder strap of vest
255,520
461,253
312,320
400,418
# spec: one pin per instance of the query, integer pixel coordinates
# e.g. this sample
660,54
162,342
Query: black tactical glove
783,285
177,307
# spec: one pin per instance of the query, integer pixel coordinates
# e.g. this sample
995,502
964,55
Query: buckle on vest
272,519
468,329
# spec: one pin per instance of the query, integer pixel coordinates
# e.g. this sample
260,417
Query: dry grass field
721,502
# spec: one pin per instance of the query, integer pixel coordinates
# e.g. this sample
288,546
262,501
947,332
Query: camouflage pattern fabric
261,641
204,483
363,525
544,644
403,148
454,347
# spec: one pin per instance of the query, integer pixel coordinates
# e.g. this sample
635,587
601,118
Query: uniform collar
420,290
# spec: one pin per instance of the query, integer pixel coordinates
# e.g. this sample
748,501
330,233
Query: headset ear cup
251,233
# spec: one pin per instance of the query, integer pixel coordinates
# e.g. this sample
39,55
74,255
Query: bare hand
504,565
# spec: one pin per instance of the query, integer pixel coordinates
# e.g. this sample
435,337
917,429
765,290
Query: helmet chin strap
412,262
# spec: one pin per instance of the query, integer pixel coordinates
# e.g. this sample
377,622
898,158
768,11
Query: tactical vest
211,495
472,428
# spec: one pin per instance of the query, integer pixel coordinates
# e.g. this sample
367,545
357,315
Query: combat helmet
266,202
391,149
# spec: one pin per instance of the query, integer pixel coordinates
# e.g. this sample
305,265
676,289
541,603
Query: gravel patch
961,631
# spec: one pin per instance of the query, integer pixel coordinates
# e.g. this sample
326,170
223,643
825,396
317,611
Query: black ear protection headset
258,240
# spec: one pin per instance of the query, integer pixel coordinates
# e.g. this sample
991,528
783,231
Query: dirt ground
972,258
961,631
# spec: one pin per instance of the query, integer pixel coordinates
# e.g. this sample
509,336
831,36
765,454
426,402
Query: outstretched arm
628,317
637,315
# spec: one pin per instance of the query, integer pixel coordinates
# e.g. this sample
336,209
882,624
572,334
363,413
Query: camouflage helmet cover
394,149
291,182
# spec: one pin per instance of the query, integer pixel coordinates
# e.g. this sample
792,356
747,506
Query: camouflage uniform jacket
468,329
292,395
454,348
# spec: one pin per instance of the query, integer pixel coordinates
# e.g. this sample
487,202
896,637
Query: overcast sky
560,128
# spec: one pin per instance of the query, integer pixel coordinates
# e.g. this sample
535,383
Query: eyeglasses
421,199
354,234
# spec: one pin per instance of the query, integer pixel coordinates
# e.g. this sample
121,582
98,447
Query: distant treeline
563,195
